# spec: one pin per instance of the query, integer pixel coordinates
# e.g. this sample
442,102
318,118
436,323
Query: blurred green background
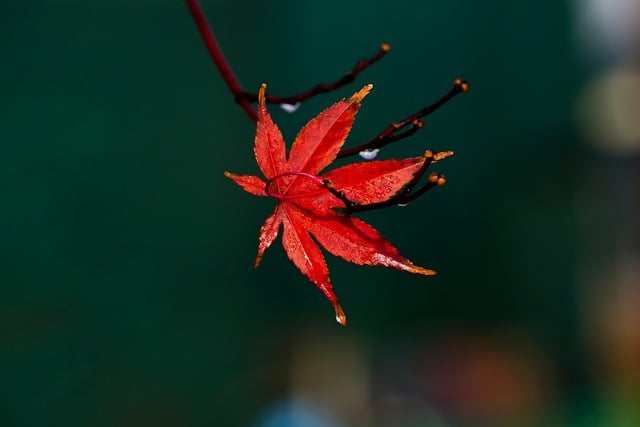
127,293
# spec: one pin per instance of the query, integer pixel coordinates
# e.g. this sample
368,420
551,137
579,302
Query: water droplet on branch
369,154
290,108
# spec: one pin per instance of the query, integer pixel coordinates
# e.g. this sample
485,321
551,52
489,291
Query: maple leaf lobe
319,141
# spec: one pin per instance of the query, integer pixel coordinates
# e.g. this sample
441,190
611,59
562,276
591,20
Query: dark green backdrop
127,293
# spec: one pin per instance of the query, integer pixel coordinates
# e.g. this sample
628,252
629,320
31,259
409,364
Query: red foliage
318,206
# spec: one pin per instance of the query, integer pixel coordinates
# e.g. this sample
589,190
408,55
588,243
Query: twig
402,199
405,195
349,77
394,132
391,134
244,98
219,60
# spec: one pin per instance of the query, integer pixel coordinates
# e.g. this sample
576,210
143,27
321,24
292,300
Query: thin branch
394,132
429,158
404,196
391,133
219,60
435,180
349,205
244,98
349,77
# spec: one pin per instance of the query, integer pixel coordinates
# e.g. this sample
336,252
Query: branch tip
396,131
437,178
461,85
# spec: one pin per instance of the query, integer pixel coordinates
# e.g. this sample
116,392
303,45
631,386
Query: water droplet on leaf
340,316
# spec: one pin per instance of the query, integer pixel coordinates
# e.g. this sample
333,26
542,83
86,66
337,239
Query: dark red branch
394,132
219,60
391,133
401,199
435,180
245,98
404,196
349,77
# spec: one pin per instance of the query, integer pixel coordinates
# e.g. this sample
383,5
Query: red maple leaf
309,205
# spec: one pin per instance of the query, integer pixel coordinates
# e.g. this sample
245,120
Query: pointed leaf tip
261,92
421,270
341,318
359,95
441,155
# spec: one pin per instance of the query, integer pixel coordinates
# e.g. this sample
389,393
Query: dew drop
369,154
290,108
402,205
